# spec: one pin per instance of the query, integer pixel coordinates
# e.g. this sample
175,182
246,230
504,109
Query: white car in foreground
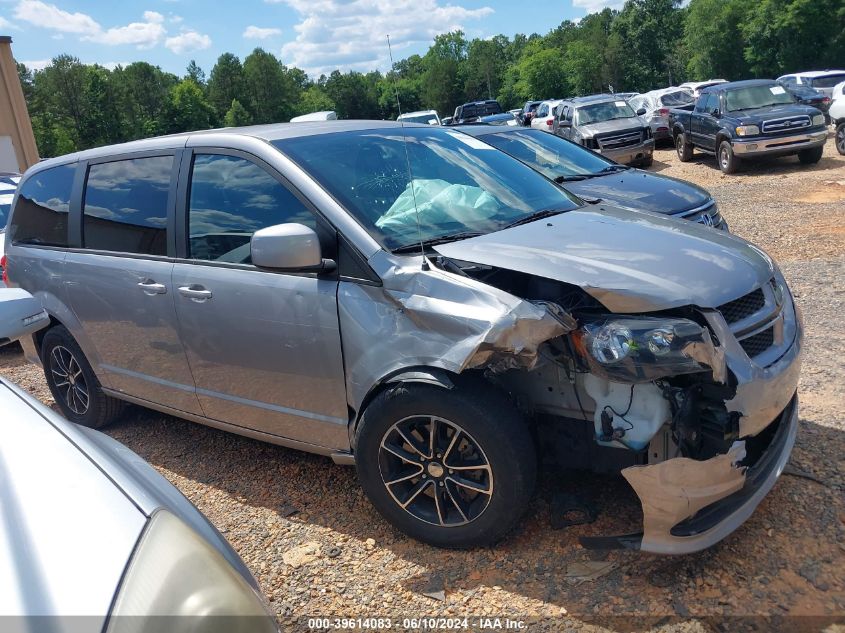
837,115
90,529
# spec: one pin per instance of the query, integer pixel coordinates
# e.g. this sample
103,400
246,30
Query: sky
315,35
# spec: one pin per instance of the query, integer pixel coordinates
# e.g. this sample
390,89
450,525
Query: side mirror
715,112
21,314
291,247
641,112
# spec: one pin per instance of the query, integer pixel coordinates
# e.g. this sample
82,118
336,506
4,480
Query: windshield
605,111
753,97
675,99
460,184
549,154
428,119
828,81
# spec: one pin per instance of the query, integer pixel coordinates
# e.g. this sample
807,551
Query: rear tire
728,162
839,137
466,487
811,156
73,383
683,148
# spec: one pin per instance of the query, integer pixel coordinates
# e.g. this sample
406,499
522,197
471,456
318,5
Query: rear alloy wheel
840,138
810,156
728,162
683,148
72,382
451,467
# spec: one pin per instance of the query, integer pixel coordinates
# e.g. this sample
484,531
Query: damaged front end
699,420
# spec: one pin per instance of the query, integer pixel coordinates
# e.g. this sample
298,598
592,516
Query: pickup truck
745,120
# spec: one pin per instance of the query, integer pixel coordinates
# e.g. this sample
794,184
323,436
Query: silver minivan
411,300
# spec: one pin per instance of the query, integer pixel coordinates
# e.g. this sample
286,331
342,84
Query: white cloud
594,6
5,24
49,16
259,33
188,41
351,34
144,34
176,19
37,64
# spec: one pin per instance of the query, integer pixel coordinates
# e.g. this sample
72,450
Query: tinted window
460,184
126,205
828,81
231,198
674,99
42,209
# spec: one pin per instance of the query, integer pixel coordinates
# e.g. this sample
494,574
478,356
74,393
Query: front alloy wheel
840,138
453,467
69,380
435,470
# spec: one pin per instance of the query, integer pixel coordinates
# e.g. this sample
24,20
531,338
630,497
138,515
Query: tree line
647,44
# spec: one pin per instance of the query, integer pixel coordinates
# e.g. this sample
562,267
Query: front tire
454,468
811,156
728,162
72,382
683,148
840,138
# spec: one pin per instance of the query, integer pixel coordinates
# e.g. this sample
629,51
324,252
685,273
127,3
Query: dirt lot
285,511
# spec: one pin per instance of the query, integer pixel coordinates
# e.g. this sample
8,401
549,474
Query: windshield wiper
531,217
434,241
573,178
611,168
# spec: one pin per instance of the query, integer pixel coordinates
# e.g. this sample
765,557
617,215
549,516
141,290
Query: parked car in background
544,116
594,177
625,95
748,119
326,115
608,125
809,96
657,104
427,117
506,118
470,112
821,80
528,111
697,86
446,120
411,300
92,530
8,185
837,115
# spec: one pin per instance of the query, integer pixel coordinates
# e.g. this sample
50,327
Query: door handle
151,288
195,293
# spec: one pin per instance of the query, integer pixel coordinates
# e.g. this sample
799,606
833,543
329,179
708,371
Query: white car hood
66,531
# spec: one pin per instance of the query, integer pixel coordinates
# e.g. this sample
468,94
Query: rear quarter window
41,213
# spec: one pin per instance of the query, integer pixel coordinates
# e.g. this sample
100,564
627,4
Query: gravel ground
319,549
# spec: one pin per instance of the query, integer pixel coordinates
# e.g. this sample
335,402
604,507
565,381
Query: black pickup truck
747,119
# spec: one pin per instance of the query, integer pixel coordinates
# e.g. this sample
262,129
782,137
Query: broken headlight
642,349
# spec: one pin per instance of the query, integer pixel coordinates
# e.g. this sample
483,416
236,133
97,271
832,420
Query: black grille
759,343
738,309
616,141
787,124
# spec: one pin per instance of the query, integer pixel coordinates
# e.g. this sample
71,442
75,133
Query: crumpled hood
642,191
629,261
616,125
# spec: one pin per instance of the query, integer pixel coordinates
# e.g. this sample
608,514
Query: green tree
354,94
189,109
314,99
195,73
225,83
271,93
714,37
484,68
237,115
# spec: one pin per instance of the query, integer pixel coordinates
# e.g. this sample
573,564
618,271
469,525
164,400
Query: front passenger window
230,199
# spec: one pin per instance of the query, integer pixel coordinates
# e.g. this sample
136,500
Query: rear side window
230,199
41,212
126,205
827,81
